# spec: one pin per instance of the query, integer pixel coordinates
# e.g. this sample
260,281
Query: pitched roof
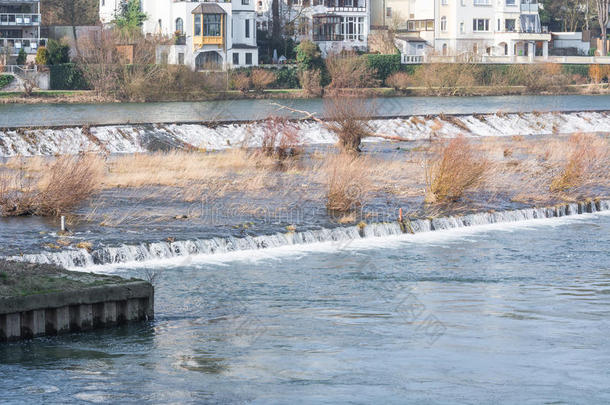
208,8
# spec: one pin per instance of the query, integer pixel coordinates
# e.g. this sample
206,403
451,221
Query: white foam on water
264,247
133,138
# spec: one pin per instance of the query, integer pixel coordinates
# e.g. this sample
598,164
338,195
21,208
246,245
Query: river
35,115
504,313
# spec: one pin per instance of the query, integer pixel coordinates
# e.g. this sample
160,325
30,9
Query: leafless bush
399,80
261,79
281,138
348,182
348,70
242,82
63,186
455,169
310,82
447,79
537,77
348,118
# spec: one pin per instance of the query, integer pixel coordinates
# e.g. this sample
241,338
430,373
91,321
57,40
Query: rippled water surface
511,313
20,115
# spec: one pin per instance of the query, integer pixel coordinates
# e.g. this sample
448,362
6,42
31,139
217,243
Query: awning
209,8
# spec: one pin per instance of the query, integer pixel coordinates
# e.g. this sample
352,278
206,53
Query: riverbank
39,299
91,97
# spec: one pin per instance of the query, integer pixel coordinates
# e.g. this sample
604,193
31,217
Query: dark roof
411,39
208,8
244,46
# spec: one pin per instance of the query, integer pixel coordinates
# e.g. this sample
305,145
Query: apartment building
206,35
334,25
20,28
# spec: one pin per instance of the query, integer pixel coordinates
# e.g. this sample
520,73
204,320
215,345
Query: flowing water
28,115
137,138
514,312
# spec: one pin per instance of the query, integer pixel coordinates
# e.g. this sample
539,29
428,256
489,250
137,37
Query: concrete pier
77,309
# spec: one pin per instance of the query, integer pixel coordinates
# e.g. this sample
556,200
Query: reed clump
588,159
456,168
281,139
347,181
64,185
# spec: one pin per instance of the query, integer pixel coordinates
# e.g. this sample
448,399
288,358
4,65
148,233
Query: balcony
29,45
199,41
19,20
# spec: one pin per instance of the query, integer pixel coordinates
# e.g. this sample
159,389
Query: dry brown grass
62,186
456,168
347,181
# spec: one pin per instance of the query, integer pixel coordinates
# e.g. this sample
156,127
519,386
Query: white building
334,25
207,35
20,27
478,27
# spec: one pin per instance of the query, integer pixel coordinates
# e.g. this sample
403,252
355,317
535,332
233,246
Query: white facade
480,27
108,9
334,25
208,35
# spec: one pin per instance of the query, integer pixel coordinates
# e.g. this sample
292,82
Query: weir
145,138
82,258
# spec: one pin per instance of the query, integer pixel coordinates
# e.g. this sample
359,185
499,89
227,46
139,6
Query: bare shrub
537,77
347,182
588,160
455,169
598,73
399,80
242,82
281,138
348,71
66,183
310,82
348,118
261,79
447,79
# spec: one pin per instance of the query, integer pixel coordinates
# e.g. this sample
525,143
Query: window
482,2
509,25
462,27
181,58
352,28
480,24
198,25
388,11
247,28
248,58
160,25
443,24
444,2
211,25
511,3
245,2
179,25
236,59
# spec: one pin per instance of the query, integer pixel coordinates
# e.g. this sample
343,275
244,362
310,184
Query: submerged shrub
588,158
281,138
456,169
349,118
67,182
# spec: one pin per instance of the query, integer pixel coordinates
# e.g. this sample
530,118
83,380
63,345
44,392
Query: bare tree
602,15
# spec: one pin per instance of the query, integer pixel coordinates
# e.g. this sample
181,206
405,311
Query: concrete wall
96,307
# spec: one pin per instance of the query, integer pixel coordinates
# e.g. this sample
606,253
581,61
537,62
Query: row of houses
223,33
